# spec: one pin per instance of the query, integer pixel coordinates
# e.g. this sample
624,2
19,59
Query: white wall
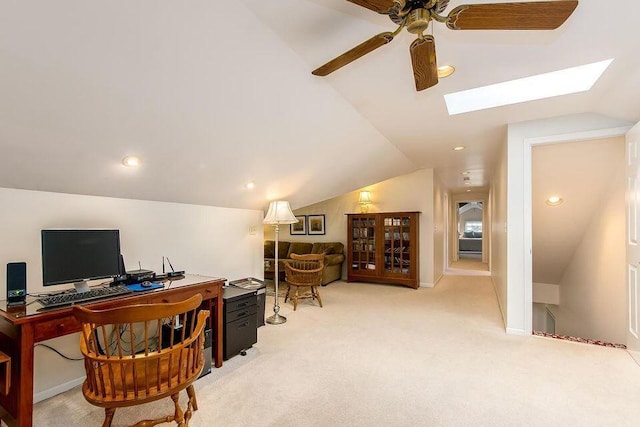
440,211
198,239
520,137
498,209
593,288
546,293
411,192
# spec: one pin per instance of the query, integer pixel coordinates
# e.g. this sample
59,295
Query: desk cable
59,353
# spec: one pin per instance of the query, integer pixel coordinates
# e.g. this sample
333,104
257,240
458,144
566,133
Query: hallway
471,267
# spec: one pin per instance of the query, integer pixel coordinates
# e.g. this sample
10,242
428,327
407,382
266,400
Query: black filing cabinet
240,325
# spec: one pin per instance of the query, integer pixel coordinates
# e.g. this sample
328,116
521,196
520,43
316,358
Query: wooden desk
22,327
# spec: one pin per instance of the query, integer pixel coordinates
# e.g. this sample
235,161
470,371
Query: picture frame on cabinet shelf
299,227
316,224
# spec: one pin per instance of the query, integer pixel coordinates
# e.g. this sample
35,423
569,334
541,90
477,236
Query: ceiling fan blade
380,6
423,59
346,58
543,15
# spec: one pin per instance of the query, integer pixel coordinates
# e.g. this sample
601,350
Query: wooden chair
141,353
304,271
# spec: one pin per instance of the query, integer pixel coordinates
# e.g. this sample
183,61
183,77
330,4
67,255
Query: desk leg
25,390
217,329
17,410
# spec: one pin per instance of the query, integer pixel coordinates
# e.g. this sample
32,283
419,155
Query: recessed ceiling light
554,201
459,148
562,82
467,183
446,71
468,190
465,173
250,185
131,161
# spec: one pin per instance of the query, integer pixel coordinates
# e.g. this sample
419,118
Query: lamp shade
279,213
365,197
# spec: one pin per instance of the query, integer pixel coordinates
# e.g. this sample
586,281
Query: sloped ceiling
213,95
209,100
581,173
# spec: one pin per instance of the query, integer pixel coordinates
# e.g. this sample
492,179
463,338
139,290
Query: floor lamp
279,213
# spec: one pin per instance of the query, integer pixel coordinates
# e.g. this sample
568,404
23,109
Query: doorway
468,240
469,231
578,239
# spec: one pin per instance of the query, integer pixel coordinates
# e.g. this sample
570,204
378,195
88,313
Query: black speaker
16,283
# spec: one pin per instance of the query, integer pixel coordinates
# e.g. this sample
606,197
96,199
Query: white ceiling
582,173
212,95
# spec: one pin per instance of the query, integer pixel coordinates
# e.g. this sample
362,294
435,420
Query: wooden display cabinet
383,247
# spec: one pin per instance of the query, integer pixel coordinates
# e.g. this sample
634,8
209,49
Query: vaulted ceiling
213,95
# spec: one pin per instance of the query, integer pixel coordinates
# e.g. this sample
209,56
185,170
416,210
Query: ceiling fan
416,15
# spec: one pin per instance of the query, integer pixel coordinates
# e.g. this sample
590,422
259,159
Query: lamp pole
276,319
279,213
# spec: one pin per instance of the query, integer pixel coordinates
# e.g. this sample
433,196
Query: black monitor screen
70,256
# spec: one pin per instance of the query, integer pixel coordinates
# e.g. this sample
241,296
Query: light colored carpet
470,264
389,355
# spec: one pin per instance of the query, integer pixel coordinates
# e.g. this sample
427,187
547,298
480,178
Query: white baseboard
435,282
514,331
427,285
53,391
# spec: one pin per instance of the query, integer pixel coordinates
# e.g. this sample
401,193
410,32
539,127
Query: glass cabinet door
397,245
363,250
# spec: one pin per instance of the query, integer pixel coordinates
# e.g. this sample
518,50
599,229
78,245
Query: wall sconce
365,200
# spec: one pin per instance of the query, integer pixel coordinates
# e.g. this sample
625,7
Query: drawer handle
244,313
242,304
243,325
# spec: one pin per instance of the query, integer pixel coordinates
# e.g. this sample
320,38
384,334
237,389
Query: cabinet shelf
384,248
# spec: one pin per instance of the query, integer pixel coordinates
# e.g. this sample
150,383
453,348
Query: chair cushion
270,249
283,249
327,248
300,248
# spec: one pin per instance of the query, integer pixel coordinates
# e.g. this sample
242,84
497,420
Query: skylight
563,82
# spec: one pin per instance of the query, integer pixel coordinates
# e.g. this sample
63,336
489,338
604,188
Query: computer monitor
76,256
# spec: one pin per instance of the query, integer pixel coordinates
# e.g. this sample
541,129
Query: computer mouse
146,284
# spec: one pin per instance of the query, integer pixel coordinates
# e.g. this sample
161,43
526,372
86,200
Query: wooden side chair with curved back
304,271
130,358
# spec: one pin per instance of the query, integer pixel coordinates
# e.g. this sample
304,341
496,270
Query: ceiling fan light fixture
416,16
459,148
445,71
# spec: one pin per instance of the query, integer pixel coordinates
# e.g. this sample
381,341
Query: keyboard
77,298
